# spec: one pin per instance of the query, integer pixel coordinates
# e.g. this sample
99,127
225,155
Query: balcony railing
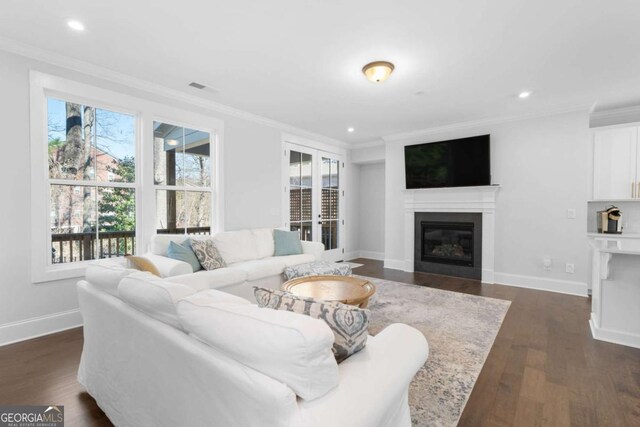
72,247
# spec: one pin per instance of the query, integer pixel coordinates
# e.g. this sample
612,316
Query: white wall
252,183
371,216
542,167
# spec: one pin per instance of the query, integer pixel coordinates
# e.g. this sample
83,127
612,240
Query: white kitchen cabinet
616,166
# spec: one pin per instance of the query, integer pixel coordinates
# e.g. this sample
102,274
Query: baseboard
351,255
542,284
378,256
39,326
394,264
611,336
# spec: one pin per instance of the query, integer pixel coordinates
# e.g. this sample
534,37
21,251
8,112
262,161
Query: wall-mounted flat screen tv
461,162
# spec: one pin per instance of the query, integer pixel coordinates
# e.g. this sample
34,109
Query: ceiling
299,61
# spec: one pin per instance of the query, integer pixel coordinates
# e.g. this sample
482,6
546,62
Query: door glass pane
330,199
300,194
330,234
73,223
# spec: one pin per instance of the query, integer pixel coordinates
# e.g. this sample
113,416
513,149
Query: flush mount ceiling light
172,142
378,71
524,95
350,130
75,25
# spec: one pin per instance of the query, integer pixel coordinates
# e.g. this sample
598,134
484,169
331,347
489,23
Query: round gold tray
344,289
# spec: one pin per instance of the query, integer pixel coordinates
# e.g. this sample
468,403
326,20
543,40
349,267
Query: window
91,180
92,195
182,177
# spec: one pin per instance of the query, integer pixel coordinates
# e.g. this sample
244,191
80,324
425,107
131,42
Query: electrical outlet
571,213
570,268
546,263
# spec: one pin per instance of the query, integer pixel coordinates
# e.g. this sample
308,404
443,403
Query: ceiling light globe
379,71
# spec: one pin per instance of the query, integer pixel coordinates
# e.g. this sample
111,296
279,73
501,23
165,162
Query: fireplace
449,244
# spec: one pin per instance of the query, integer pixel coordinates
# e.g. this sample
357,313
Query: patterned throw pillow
349,324
207,254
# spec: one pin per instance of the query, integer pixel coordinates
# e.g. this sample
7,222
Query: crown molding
367,144
65,62
615,116
404,136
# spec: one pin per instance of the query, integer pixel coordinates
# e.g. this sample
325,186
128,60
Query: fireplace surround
481,200
448,243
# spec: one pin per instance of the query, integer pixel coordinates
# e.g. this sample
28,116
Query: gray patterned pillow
349,324
207,254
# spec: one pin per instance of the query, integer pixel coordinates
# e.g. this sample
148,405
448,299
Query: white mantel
461,199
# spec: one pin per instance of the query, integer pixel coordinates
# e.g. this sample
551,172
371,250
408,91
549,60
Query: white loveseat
160,353
249,255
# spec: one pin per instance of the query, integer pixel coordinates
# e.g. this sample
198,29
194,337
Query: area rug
353,264
460,330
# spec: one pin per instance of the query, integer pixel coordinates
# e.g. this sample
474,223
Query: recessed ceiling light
172,142
75,25
351,130
524,94
378,71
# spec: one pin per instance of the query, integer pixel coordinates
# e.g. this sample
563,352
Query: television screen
456,163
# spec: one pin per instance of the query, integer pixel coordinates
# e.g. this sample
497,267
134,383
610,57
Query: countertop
617,246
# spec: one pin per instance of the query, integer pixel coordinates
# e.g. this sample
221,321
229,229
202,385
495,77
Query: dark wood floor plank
544,368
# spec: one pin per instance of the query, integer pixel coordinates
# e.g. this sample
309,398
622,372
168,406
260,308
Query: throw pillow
183,252
143,264
349,324
207,254
287,242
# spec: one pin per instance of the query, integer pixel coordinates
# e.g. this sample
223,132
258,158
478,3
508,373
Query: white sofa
249,255
160,353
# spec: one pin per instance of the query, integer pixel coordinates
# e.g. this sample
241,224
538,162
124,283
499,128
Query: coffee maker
609,220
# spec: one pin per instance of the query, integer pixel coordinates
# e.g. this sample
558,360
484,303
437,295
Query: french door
315,197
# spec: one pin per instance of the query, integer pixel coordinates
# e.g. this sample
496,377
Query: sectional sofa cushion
183,252
349,324
263,240
155,296
107,276
288,347
203,279
260,268
207,254
287,242
236,246
291,260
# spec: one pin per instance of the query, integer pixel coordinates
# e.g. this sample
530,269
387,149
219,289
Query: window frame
94,183
145,111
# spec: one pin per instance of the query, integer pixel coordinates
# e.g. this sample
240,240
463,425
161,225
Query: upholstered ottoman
319,268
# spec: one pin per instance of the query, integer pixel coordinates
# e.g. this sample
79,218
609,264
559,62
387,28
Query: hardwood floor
544,367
